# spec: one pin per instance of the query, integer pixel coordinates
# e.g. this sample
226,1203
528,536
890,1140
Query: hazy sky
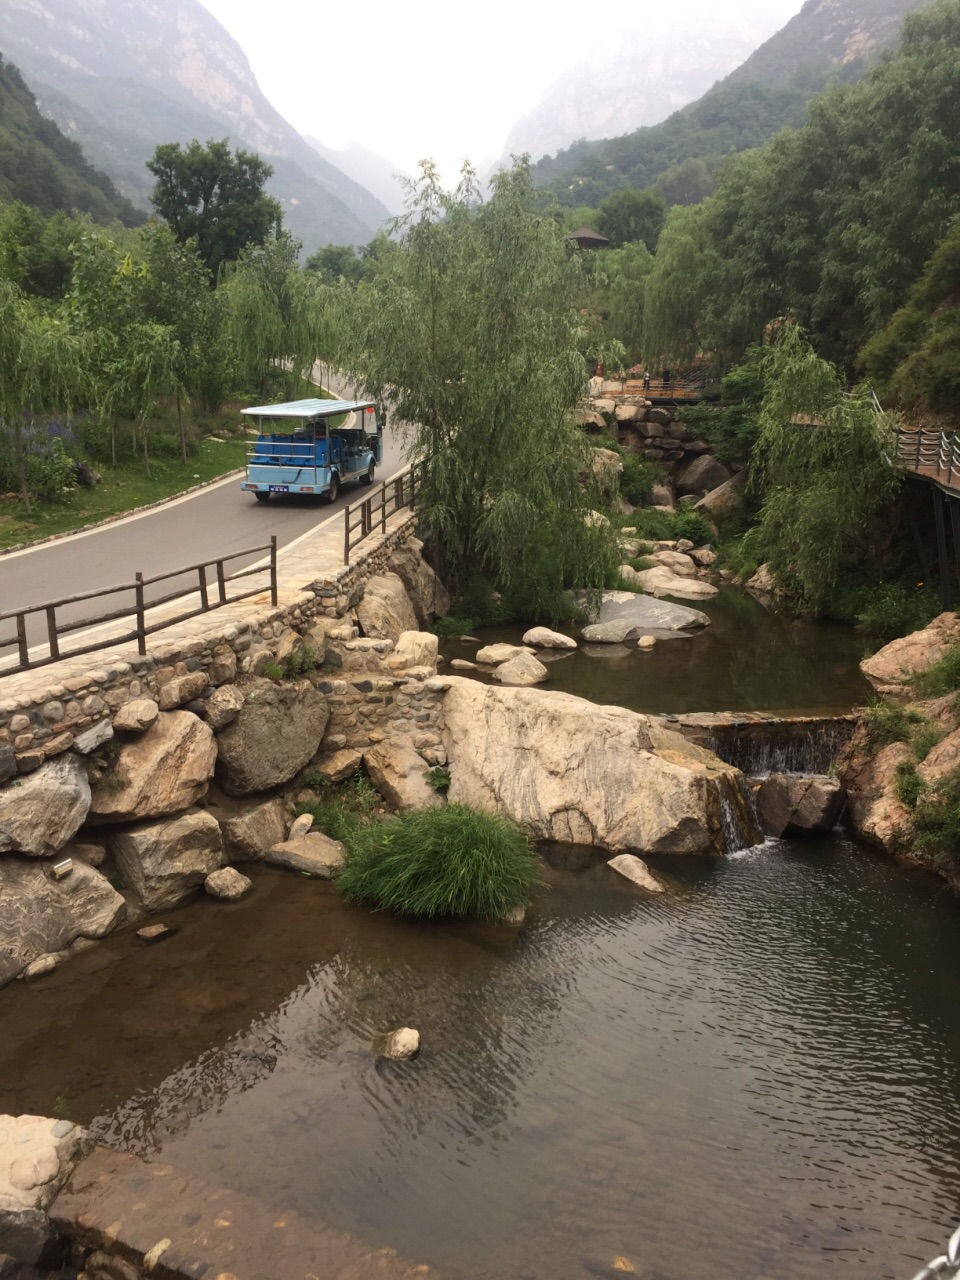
437,78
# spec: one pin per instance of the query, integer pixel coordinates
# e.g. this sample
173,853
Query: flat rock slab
624,616
636,871
117,1201
314,855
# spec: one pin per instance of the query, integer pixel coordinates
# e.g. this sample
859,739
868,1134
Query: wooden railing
935,454
213,591
675,389
360,519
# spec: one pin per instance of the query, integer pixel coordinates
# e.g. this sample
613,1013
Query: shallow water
757,1075
748,659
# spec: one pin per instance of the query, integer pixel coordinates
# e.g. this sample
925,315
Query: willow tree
470,334
41,370
825,466
275,314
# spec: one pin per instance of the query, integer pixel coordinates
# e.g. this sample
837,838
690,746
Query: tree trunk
21,465
183,437
113,440
146,453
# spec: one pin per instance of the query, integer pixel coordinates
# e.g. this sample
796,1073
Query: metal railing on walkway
932,454
214,589
362,518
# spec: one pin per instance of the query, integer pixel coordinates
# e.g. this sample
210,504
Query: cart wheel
334,488
368,478
261,497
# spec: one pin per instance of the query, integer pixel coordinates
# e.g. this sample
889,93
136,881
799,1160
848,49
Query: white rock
647,642
399,1046
398,772
678,563
385,611
522,670
492,655
93,737
136,716
661,581
39,813
544,638
636,871
315,855
227,884
301,826
42,965
568,770
461,664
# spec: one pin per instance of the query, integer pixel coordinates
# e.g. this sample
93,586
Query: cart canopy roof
308,409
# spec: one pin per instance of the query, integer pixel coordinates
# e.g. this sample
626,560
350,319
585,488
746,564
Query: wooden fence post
22,641
273,569
346,535
52,631
141,618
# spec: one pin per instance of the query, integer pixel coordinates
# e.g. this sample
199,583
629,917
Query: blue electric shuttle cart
313,446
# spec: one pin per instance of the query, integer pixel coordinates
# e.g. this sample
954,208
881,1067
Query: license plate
279,488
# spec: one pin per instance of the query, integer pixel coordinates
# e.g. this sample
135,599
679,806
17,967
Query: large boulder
662,581
624,616
893,666
791,805
43,810
492,655
165,771
385,611
571,771
701,476
39,914
677,562
248,835
398,772
726,497
870,779
275,735
161,863
428,595
544,638
415,649
524,669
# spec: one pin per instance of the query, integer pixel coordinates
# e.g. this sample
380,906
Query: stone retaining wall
69,704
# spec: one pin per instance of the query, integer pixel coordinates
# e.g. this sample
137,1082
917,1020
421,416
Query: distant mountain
378,175
41,167
121,76
638,77
772,88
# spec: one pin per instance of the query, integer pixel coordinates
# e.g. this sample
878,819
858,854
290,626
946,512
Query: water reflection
748,659
755,1075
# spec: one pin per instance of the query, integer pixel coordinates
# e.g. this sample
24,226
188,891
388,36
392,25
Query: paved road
202,526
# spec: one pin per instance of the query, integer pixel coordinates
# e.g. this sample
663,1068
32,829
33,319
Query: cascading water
774,745
738,823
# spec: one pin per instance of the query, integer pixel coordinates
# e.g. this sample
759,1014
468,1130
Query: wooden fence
213,593
360,520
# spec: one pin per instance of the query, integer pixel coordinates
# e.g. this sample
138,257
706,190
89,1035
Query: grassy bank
121,489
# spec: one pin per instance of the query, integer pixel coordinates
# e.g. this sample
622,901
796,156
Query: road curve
205,525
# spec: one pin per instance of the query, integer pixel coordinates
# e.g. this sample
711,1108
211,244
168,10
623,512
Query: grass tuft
452,861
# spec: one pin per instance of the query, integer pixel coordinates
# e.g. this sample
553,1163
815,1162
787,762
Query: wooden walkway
660,392
931,455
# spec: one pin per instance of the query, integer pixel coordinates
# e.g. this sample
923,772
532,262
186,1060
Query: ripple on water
754,1075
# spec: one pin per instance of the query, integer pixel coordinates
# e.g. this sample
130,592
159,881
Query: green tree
216,196
41,369
470,333
336,262
277,316
629,216
824,467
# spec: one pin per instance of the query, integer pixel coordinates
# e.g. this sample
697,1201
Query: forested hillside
42,168
827,40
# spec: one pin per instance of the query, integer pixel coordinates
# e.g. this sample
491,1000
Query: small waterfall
759,744
738,823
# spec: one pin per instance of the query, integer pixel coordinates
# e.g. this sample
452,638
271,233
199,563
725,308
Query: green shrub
452,626
943,677
299,663
909,784
889,722
671,526
885,611
638,478
924,740
341,810
937,819
438,778
450,861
